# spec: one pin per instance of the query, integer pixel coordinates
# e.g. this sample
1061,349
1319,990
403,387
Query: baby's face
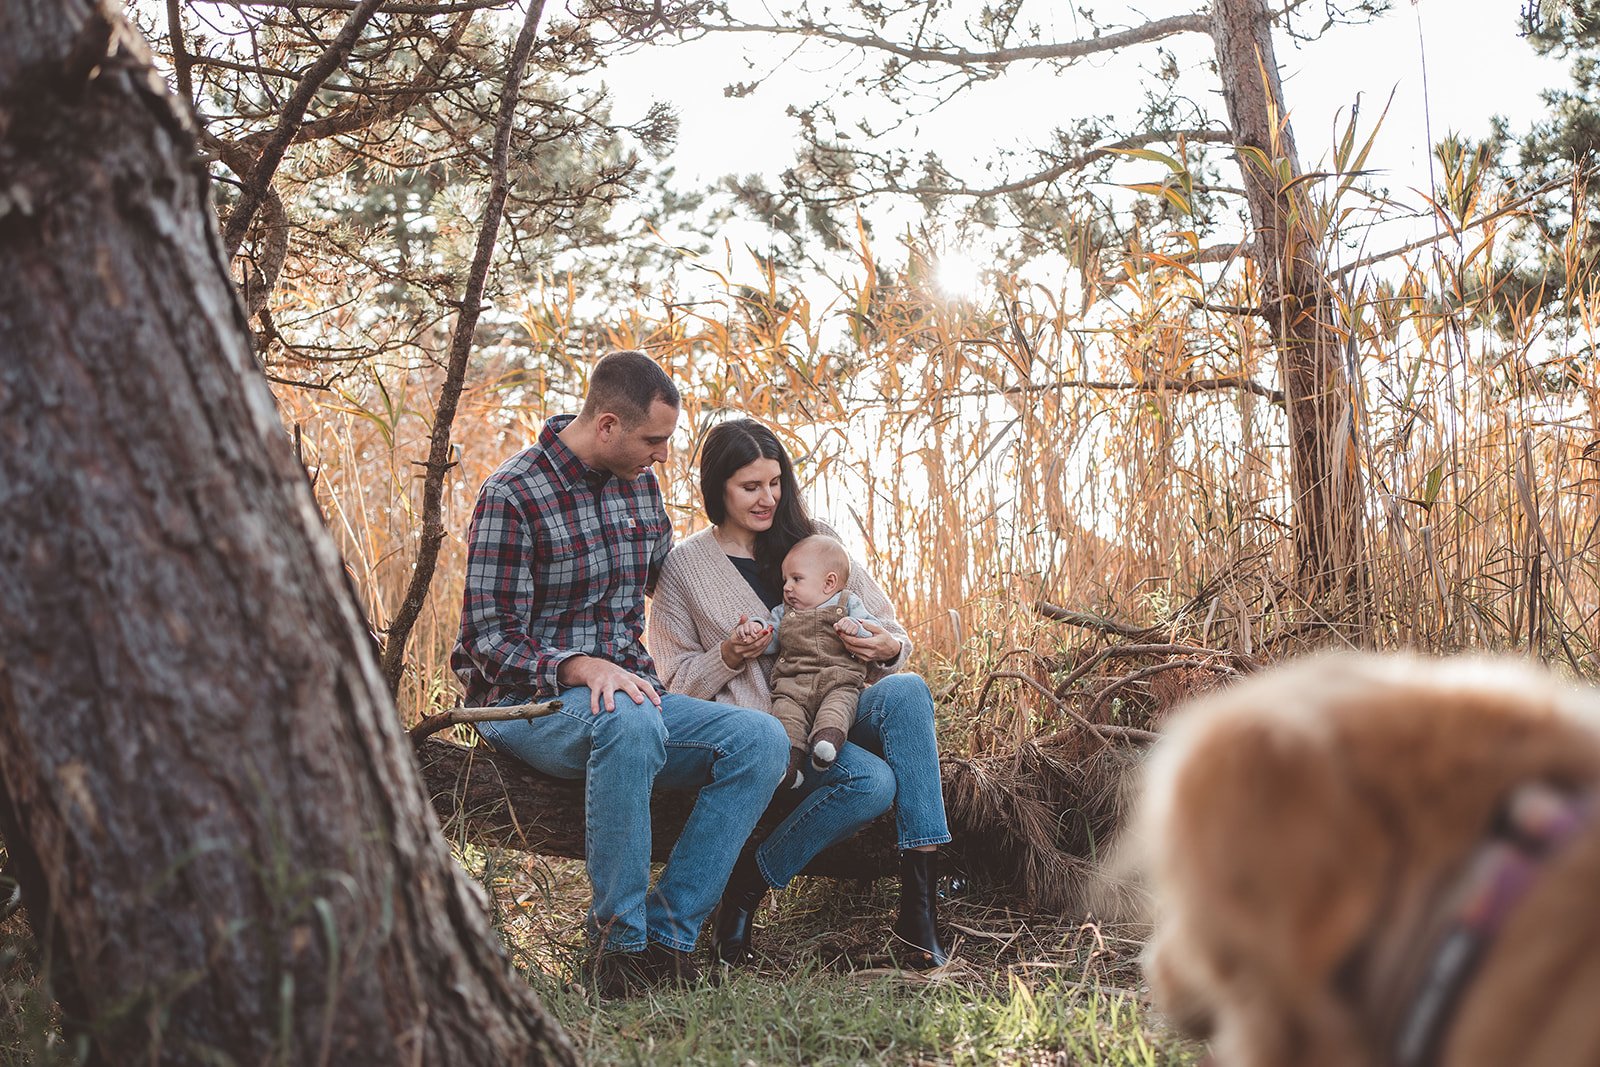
806,582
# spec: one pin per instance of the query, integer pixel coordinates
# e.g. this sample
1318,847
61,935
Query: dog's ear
1288,836
1269,867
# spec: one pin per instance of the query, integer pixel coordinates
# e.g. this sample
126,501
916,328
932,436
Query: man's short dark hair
626,384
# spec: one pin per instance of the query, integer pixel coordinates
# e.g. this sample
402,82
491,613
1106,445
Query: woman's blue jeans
734,756
891,758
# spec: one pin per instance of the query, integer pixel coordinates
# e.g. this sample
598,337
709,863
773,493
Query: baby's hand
747,641
849,627
749,630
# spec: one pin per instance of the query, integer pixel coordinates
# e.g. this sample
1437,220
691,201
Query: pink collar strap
1533,826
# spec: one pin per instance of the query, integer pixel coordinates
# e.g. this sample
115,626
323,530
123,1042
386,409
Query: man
566,540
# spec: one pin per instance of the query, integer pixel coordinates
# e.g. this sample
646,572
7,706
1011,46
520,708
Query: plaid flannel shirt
559,558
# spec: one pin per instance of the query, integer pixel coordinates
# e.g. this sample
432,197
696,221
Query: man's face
628,451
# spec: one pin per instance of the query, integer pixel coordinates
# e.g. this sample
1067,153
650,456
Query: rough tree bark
1325,480
202,777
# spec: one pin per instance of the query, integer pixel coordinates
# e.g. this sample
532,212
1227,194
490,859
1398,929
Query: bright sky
1476,67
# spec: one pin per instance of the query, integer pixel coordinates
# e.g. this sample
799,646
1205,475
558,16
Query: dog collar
1532,827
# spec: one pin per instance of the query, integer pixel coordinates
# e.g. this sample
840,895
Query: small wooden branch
1065,167
1223,253
432,724
1095,622
1176,385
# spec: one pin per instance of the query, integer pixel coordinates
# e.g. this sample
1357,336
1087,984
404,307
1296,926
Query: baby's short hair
826,551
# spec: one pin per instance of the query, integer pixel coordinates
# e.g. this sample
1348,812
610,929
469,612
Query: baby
815,681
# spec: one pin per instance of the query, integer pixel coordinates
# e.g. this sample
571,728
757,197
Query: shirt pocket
646,528
567,564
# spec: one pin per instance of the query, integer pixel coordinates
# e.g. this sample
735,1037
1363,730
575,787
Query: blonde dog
1364,861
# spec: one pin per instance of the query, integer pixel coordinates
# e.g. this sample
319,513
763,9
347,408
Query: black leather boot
916,931
734,920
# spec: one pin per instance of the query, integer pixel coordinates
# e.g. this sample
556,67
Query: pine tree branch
289,120
439,464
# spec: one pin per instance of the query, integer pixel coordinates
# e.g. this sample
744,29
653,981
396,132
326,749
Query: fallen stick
432,724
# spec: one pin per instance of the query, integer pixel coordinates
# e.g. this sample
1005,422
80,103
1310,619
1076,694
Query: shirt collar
571,470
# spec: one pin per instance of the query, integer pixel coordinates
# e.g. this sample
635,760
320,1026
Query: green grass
815,1017
1020,989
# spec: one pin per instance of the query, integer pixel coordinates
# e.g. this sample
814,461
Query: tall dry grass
1045,443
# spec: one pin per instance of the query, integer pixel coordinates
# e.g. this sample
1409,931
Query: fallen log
1028,823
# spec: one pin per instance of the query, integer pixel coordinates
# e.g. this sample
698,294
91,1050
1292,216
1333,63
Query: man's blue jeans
734,756
892,757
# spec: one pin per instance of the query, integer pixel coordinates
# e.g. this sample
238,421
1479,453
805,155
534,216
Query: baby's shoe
795,776
825,745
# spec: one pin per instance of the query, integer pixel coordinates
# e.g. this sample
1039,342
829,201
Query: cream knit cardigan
699,598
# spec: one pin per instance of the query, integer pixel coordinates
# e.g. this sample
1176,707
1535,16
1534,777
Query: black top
752,574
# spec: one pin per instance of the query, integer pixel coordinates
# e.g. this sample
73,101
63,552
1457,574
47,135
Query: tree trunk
1325,480
1026,823
217,818
496,801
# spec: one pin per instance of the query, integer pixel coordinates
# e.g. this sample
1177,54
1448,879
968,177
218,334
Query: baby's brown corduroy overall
815,681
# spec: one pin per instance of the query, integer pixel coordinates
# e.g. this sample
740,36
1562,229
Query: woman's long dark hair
728,448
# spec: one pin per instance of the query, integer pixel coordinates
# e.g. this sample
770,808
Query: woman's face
751,495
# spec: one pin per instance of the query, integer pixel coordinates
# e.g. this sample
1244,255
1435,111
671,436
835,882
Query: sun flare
958,275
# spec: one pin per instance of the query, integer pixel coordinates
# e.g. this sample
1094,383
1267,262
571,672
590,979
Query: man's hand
747,642
605,679
870,642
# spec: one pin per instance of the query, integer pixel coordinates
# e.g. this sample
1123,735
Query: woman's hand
747,642
870,642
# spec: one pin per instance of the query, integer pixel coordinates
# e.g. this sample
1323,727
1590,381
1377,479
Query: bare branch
1223,253
1095,622
181,59
1104,695
393,7
432,724
360,116
1451,231
1100,731
1068,166
1157,385
1068,50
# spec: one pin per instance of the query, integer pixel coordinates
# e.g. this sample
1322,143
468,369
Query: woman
729,573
